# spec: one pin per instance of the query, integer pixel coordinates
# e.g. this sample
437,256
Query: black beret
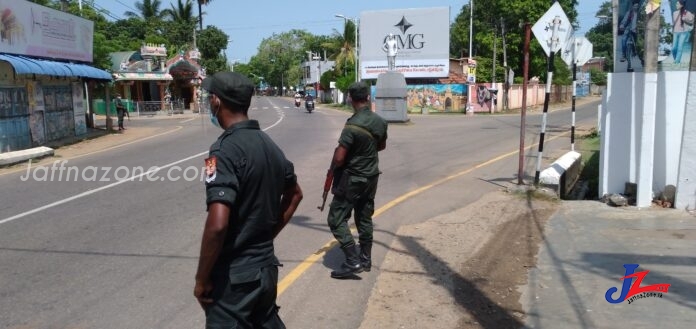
232,88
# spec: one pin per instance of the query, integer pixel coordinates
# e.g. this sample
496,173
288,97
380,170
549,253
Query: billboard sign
33,30
422,36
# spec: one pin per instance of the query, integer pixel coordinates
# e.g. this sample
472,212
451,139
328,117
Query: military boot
350,266
366,256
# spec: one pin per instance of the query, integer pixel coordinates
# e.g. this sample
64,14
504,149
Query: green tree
598,77
211,42
507,13
344,54
180,26
601,36
200,11
561,74
147,10
279,56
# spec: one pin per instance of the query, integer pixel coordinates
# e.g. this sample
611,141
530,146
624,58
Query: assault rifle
327,188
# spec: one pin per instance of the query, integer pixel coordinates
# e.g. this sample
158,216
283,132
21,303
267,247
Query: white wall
686,187
622,135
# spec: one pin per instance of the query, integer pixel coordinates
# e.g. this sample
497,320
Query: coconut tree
181,24
345,57
181,13
147,9
200,11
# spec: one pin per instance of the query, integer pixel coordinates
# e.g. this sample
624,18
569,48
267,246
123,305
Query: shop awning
25,65
143,76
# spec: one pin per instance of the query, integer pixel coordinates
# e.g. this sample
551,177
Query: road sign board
553,29
580,47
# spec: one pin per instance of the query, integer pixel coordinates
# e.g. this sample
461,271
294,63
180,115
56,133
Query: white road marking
132,178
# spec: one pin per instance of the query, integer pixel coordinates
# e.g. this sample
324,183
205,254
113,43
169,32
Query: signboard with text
422,36
33,30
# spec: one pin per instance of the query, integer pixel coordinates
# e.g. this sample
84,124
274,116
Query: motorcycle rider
309,99
298,99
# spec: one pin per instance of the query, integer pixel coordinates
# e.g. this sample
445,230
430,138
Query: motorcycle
298,102
309,105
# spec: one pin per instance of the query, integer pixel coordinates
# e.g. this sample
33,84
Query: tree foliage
211,42
601,36
507,15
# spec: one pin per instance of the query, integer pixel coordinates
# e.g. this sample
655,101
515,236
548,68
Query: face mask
214,119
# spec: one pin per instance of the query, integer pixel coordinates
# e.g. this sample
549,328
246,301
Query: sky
249,22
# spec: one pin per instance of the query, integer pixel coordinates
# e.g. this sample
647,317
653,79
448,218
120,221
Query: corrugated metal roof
25,65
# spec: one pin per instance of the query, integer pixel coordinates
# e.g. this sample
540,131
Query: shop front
42,87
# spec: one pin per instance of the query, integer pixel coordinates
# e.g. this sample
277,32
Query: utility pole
647,149
506,85
469,109
523,115
495,48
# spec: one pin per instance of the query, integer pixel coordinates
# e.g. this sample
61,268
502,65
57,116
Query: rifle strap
361,129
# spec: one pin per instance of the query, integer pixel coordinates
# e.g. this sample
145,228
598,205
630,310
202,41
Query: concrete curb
562,173
10,158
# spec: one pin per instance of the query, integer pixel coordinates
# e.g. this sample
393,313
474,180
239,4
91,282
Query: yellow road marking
316,256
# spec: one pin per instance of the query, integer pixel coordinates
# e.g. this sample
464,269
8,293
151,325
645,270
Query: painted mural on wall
433,97
436,98
629,55
79,109
678,57
36,113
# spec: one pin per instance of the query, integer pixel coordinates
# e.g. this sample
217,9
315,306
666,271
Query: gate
14,120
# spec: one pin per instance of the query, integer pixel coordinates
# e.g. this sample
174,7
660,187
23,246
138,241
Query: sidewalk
12,158
95,140
586,245
507,261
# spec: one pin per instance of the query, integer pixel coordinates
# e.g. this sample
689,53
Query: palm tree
147,9
181,25
346,56
200,11
182,13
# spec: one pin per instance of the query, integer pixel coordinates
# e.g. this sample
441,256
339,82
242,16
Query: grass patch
588,146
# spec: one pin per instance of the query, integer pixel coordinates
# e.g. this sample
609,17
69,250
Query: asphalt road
103,252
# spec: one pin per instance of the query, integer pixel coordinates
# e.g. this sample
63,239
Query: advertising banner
422,36
33,30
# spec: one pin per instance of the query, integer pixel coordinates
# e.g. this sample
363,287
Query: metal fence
150,108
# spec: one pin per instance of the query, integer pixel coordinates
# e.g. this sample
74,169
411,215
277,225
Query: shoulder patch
210,169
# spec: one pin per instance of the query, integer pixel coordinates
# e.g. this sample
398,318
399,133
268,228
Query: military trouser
359,195
245,299
120,120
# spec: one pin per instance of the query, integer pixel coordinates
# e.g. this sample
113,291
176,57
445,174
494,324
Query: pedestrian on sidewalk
355,165
251,193
121,111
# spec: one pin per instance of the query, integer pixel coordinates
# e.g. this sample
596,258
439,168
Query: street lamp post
315,57
355,45
471,37
232,62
